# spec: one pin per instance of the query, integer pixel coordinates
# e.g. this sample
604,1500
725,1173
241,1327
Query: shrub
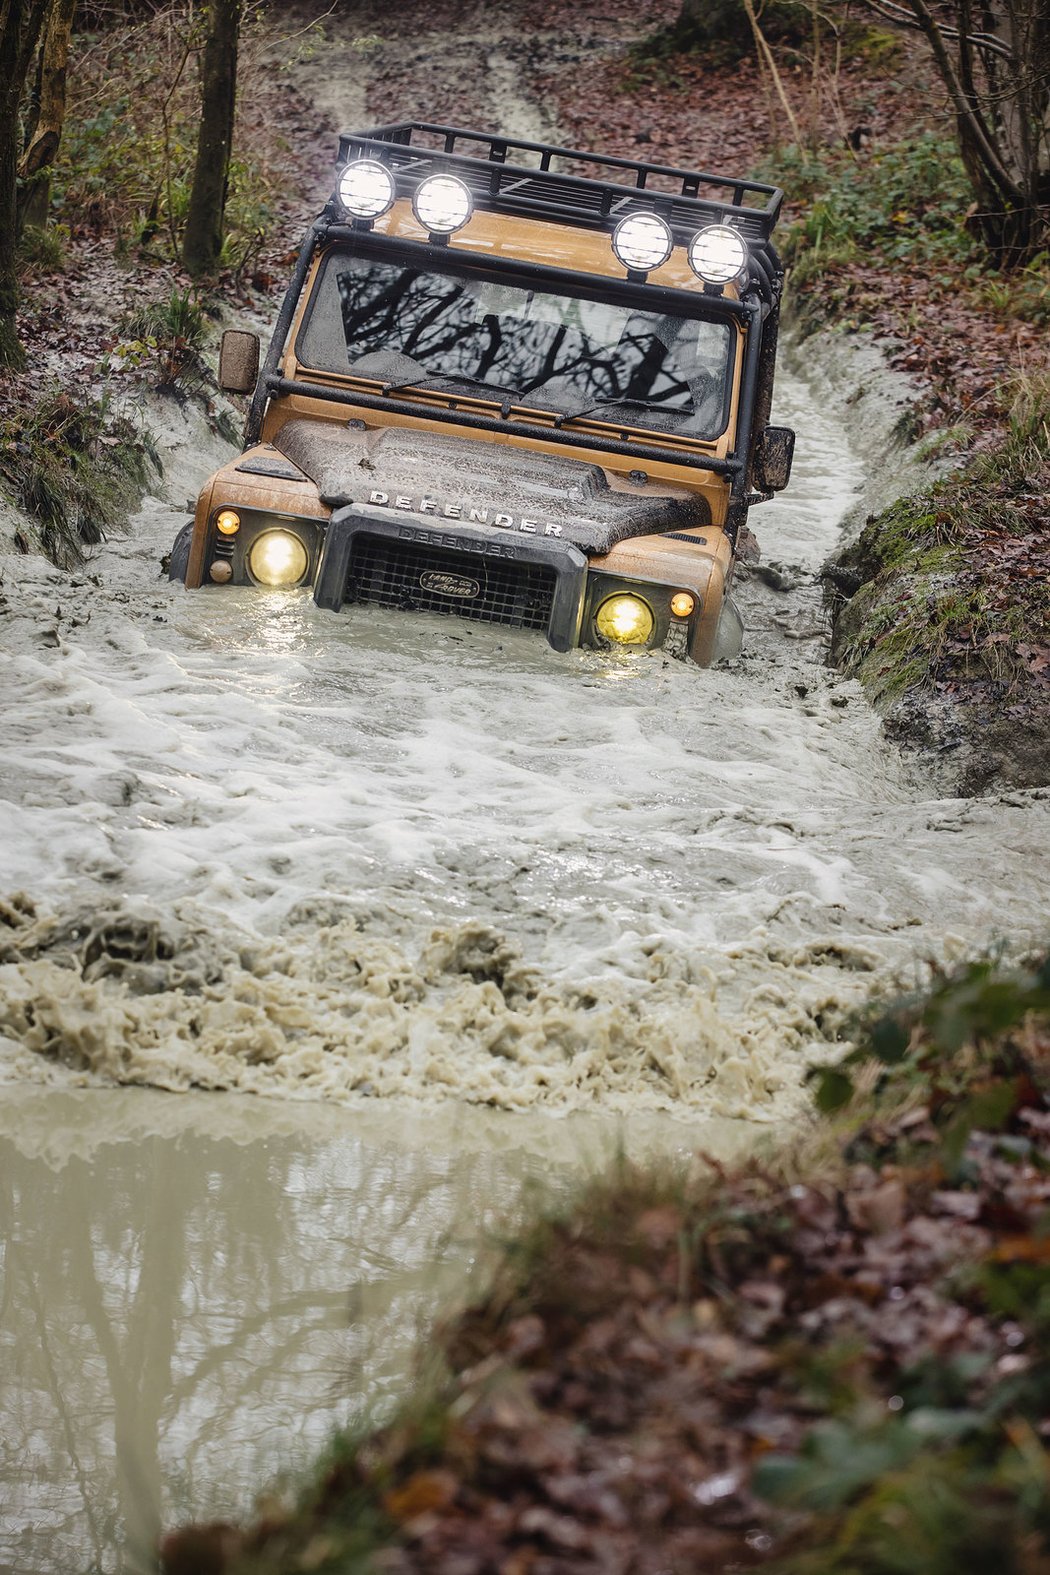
167,339
76,469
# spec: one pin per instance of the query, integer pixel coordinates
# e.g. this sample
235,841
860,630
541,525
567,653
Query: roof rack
537,184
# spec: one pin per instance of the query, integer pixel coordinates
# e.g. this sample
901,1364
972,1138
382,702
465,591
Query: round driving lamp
442,204
642,241
682,604
717,254
277,558
227,522
625,620
366,189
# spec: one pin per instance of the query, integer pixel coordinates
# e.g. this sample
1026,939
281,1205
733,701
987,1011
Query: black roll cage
750,313
530,185
537,190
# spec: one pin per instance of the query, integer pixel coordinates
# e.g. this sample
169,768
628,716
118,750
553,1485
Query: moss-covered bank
838,1360
941,608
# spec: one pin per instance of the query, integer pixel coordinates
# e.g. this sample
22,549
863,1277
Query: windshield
557,352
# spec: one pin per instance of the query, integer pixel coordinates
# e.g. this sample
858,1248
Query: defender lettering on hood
463,511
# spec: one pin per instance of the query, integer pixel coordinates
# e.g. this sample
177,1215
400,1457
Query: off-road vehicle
515,383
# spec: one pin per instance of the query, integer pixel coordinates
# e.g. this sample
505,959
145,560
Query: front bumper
382,558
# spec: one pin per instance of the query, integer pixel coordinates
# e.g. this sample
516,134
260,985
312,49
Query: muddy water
271,849
423,886
195,1292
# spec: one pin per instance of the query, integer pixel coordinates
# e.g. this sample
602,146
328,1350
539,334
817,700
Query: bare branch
989,154
891,11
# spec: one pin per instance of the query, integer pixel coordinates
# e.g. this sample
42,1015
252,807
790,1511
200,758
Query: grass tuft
166,339
76,469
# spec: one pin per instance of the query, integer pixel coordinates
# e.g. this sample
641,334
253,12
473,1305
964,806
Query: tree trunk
20,24
202,241
994,59
35,168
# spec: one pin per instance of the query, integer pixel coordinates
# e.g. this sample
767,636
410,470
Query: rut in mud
272,849
255,846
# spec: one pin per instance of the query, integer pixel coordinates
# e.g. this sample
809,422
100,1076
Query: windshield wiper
603,404
406,372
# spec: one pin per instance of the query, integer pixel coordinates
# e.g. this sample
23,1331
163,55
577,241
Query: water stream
424,887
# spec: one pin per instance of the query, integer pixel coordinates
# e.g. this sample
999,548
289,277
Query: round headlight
625,619
366,189
717,254
442,204
642,241
277,558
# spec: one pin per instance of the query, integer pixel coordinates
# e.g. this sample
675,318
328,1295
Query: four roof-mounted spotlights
642,241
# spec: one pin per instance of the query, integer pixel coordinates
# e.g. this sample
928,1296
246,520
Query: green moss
952,586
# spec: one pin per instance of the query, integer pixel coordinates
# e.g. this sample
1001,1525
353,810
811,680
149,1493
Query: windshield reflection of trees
178,1318
567,352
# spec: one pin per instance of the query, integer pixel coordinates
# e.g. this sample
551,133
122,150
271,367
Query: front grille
395,574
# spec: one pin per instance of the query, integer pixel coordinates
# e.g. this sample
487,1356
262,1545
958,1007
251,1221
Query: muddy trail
388,867
270,849
349,857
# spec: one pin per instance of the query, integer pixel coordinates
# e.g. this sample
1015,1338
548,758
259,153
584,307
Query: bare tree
20,25
202,240
994,60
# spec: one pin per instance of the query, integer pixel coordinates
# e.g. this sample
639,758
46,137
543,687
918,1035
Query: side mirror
238,362
771,467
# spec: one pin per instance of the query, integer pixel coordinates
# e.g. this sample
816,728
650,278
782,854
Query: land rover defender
513,383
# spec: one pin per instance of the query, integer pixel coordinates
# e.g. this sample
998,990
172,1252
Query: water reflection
192,1297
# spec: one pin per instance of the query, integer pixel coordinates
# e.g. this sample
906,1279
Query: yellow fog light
277,558
228,522
682,604
625,619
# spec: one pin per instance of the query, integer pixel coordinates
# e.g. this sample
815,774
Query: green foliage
167,338
76,469
908,205
919,1509
43,251
957,1049
905,203
126,160
1023,294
